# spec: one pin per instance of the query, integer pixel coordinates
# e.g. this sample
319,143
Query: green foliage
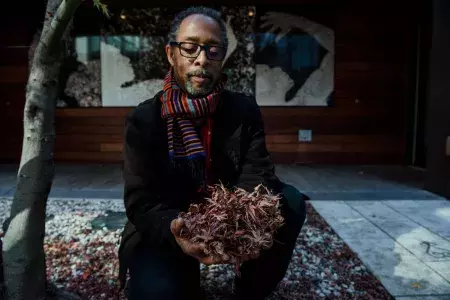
102,7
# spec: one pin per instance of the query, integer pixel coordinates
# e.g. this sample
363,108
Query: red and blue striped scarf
180,110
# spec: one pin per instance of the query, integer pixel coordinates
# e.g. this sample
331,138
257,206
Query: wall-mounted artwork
294,55
81,75
282,58
122,61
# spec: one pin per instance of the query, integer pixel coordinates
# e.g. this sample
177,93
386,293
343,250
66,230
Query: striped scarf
180,110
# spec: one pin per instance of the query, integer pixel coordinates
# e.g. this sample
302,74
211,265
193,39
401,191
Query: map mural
283,59
294,56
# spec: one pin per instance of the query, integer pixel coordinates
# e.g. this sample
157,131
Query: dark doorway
417,110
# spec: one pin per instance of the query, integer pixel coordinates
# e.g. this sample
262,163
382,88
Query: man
192,134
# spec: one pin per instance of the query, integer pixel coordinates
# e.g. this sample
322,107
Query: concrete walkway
405,243
399,231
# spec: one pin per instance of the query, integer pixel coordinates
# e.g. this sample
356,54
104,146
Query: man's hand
195,250
246,257
198,250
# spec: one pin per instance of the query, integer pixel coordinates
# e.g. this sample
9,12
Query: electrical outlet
447,147
304,135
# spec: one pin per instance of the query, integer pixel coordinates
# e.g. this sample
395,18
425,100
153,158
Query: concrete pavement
400,231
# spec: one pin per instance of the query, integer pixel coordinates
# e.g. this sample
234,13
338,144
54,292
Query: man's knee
159,273
294,201
154,288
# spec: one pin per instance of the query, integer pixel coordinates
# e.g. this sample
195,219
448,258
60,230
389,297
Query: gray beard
198,92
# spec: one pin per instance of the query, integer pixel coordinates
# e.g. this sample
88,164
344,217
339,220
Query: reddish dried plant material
234,223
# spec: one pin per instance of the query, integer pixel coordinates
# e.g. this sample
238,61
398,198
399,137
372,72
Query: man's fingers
176,226
173,227
197,249
209,260
254,254
225,258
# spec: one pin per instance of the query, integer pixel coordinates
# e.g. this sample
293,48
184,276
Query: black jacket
154,194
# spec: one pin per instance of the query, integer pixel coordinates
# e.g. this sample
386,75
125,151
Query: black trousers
169,274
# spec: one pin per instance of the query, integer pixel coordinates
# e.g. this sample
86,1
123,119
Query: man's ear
169,53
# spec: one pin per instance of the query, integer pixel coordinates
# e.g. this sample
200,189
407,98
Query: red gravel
90,269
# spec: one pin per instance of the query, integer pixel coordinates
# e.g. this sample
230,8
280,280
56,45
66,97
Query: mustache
202,73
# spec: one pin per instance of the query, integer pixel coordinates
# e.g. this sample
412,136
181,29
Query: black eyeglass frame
202,47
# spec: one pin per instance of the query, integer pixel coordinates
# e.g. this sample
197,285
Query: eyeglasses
192,50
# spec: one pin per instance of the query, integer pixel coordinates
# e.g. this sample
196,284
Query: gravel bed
82,258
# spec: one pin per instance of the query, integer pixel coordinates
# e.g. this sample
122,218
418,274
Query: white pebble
68,226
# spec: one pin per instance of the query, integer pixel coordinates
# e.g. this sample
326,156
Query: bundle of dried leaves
234,223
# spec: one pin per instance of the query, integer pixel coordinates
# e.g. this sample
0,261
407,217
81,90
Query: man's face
198,76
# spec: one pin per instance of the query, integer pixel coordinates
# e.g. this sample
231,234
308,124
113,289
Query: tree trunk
23,251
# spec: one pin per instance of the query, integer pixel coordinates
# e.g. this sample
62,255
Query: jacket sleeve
257,167
143,196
